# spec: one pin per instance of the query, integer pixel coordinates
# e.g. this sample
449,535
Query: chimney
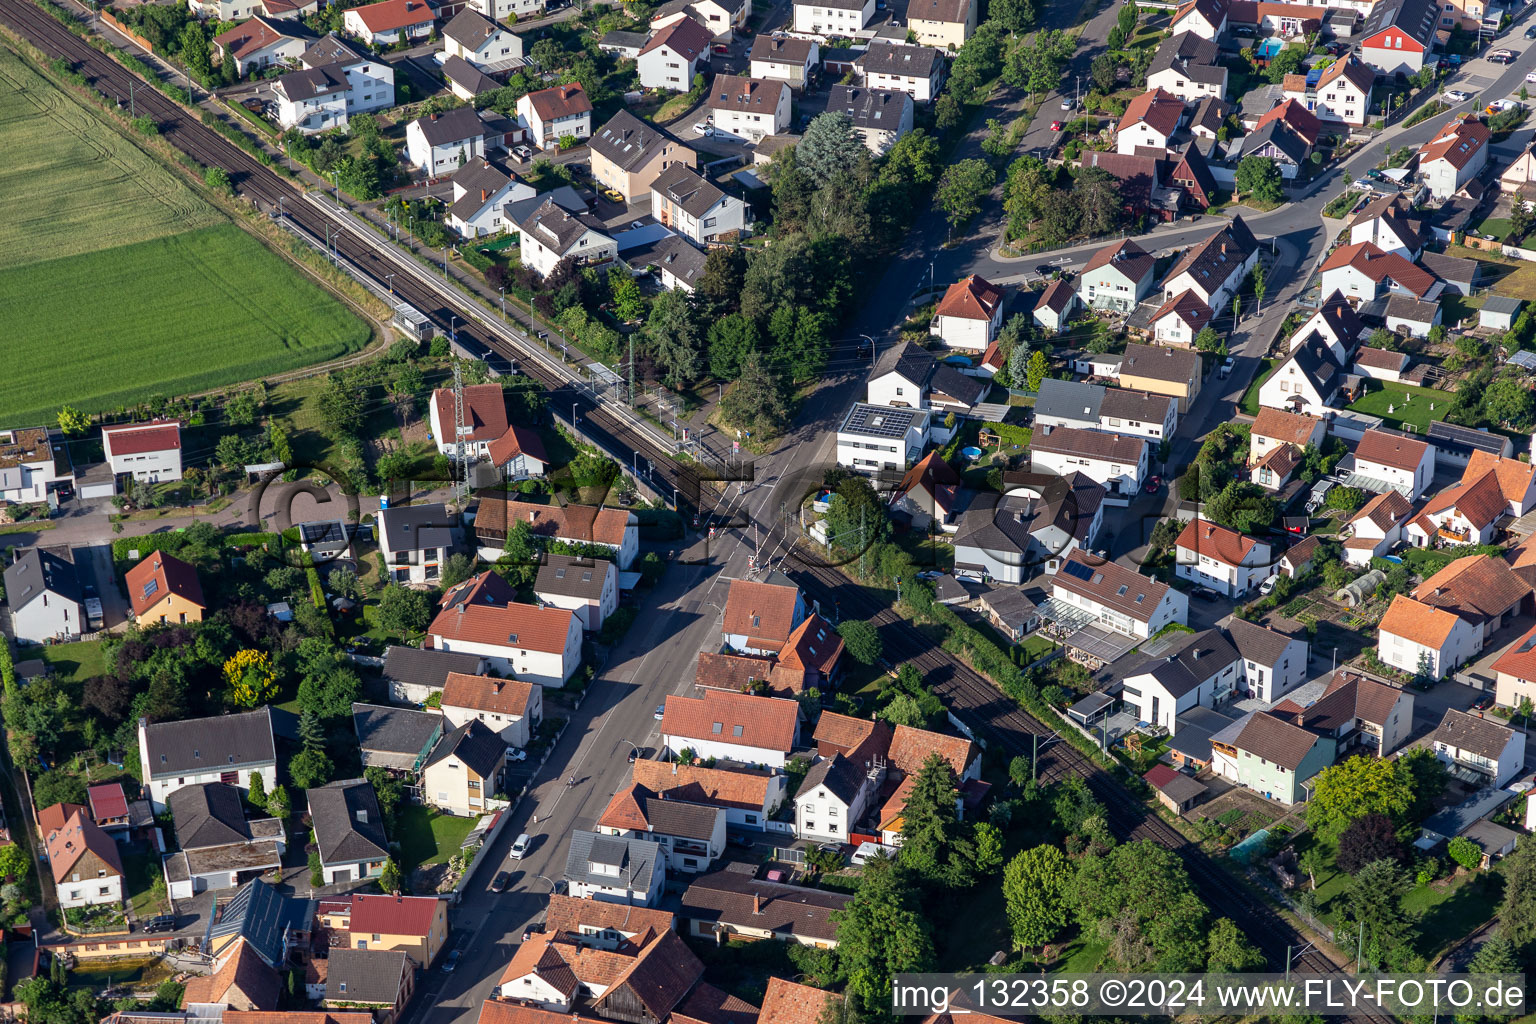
434,118
757,904
533,515
484,195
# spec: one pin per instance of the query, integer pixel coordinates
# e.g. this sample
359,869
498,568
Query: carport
1103,644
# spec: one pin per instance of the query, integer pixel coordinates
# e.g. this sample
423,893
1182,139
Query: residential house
1186,65
1306,382
1053,311
149,452
31,466
612,528
1228,562
1149,121
673,55
1471,744
728,905
1457,154
1335,325
1116,461
749,798
1270,756
557,113
1520,176
1380,363
164,589
691,835
244,983
396,739
226,748
440,144
1399,35
1341,95
614,869
832,799
1066,403
1117,277
1274,470
1180,320
1481,590
485,420
510,708
1276,141
1210,114
550,234
1491,487
1515,672
504,10
1142,189
1411,316
678,263
1206,19
87,869
946,24
604,925
219,848
463,774
1297,560
879,116
969,314
378,980
759,617
929,495
480,40
1116,597
589,587
108,805
738,726
555,972
312,99
1273,663
906,376
1195,669
1029,528
540,645
1421,639
413,674
1013,614
628,154
695,207
45,596
415,541
721,17
826,19
1276,428
276,926
862,741
1214,269
1298,119
918,70
481,193
1161,371
749,108
1403,463
911,747
1391,224
1189,177
349,830
416,925
1377,528
390,22
872,438
1360,713
793,1003
784,58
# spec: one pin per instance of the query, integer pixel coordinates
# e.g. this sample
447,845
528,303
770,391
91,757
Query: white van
520,847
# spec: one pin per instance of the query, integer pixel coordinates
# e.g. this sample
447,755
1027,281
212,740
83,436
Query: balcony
1455,536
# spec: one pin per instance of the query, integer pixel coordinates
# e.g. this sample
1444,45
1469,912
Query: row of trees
1063,206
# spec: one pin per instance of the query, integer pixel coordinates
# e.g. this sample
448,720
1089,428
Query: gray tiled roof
1069,400
572,577
428,668
223,744
37,570
840,775
349,827
476,745
263,917
1126,403
628,142
461,72
365,975
453,126
1191,659
908,61
395,737
880,109
470,28
329,50
1256,643
212,814
688,189
550,222
636,860
308,83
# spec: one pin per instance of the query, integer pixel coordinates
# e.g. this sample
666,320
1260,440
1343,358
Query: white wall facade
544,668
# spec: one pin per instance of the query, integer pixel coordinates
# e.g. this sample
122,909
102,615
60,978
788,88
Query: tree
404,612
672,339
1259,177
329,694
755,402
1374,899
1312,862
310,768
862,640
830,146
1508,402
14,862
989,842
1287,62
1259,283
519,562
1102,71
1139,895
390,878
1368,839
1229,952
256,796
1035,887
341,404
1359,786
731,339
72,421
856,518
961,189
456,570
881,932
930,825
628,303
1495,956
58,787
1209,340
109,696
1028,191
1012,16
1465,852
278,803
217,180
1038,367
389,792
903,709
1097,195
1018,367
250,678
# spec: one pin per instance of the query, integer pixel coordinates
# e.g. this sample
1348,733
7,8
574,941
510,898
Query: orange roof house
163,589
1158,109
786,1002
971,298
1295,116
759,617
755,730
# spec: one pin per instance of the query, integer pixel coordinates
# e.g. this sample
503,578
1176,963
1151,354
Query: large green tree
673,339
882,931
1036,883
961,189
1228,950
1374,899
1140,896
931,832
830,146
1259,177
1359,786
755,402
862,640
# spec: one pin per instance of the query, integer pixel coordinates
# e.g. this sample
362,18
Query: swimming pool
1268,48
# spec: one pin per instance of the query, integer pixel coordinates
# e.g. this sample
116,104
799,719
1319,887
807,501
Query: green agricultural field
121,282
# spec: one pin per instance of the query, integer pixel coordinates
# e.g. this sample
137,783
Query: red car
1055,126
1154,484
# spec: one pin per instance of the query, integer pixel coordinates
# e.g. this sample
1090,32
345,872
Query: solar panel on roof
1077,570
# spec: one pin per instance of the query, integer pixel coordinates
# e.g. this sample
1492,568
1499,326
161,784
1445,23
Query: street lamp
503,302
871,348
453,332
573,414
389,279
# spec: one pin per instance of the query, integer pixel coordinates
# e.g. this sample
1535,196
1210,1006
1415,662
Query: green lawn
1408,404
427,837
1036,646
1498,227
77,662
140,871
1250,400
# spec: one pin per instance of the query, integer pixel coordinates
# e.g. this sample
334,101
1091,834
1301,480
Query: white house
1415,637
1180,320
1273,663
549,234
1306,382
918,70
481,194
260,43
1116,461
723,18
540,645
1334,324
1387,222
519,454
691,835
511,708
227,748
443,143
1477,744
784,57
834,796
150,452
45,596
1149,121
908,376
880,116
415,541
614,869
874,437
1215,268
672,56
1206,19
479,40
1053,310
738,726
1032,527
969,314
335,81
827,18
1229,562
1457,154
390,22
1274,428
87,868
485,419
1403,463
614,528
1116,597
1377,528
554,114
1066,403
501,10
1342,94
589,587
695,207
1380,363
748,108
31,465
1117,277
1186,66
760,617
1197,669
1364,271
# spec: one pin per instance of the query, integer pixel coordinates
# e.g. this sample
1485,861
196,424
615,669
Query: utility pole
133,110
631,370
459,430
1034,757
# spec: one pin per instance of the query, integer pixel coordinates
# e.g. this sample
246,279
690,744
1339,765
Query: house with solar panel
873,438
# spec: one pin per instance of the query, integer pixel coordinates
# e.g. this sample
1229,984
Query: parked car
1530,33
499,884
1055,126
1226,368
661,710
1066,103
1268,585
613,195
722,48
703,129
1154,484
451,960
1503,56
1483,703
516,754
520,846
1204,593
523,153
1457,96
161,923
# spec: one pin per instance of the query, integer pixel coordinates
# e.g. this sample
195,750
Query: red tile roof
79,835
1478,588
1217,542
746,791
1520,660
910,748
569,914
482,693
724,717
762,612
244,974
485,412
516,441
1515,477
523,626
107,801
1480,502
138,438
1162,110
1457,143
586,523
394,14
743,672
786,1002
1375,263
1387,509
55,816
685,37
1188,307
815,644
970,298
1392,450
1418,622
561,101
1297,117
159,575
393,915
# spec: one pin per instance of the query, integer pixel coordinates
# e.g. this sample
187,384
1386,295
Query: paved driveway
96,563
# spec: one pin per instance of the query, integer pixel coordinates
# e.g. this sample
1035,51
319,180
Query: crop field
121,282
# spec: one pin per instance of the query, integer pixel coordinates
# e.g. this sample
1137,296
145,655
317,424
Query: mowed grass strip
169,316
72,183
